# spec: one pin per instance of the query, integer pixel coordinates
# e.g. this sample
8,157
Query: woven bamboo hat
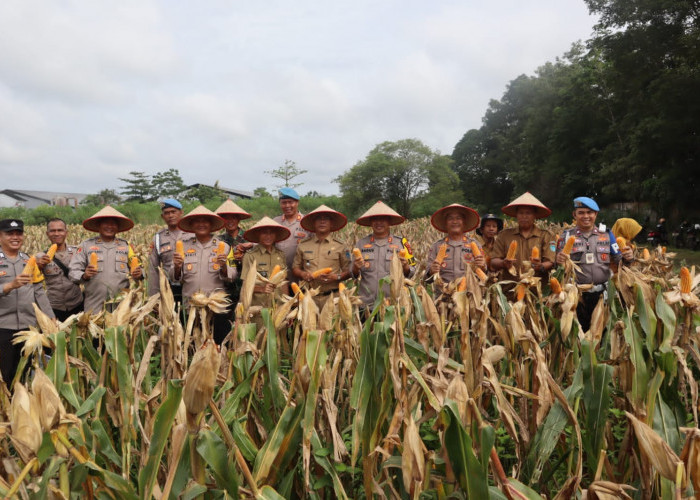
471,217
253,234
201,211
230,208
379,209
338,220
123,222
527,200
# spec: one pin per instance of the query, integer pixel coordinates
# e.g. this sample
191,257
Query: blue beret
287,192
170,202
586,202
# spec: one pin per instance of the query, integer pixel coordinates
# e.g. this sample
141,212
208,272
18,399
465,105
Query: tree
205,194
261,192
104,197
138,187
396,172
287,173
167,184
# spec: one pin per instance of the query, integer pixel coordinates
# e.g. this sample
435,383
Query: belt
328,292
596,288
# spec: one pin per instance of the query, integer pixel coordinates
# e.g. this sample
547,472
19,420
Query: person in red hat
455,220
377,250
322,251
107,279
266,256
526,209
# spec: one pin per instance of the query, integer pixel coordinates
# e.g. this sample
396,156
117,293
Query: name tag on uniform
590,258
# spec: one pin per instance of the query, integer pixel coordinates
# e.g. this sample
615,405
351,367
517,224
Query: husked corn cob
442,252
341,286
221,248
535,255
319,272
555,286
403,253
569,245
663,250
520,292
462,284
356,253
180,248
133,264
686,281
29,266
52,251
93,259
621,243
645,254
476,251
512,249
297,291
481,274
275,270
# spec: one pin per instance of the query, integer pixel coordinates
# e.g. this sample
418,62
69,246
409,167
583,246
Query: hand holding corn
91,269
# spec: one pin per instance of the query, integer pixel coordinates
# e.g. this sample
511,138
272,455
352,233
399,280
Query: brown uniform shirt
289,246
265,262
63,294
16,310
314,254
377,255
459,254
200,272
112,270
539,238
162,255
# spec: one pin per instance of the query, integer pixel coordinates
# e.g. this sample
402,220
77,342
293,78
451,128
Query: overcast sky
223,90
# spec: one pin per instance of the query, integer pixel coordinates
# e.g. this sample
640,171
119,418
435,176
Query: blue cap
586,202
287,192
170,202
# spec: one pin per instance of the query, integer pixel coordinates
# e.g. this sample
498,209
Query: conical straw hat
253,234
201,211
380,209
471,217
123,222
527,200
230,208
338,220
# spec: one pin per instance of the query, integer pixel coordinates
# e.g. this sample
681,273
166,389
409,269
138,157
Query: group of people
197,258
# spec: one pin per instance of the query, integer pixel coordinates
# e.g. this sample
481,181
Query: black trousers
222,327
64,315
585,308
10,355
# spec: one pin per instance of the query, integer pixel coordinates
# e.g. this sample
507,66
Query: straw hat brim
230,208
93,223
527,200
185,223
380,209
471,217
253,234
338,220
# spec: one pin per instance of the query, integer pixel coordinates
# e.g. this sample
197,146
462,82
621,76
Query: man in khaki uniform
17,294
163,247
266,257
233,235
65,296
455,220
111,275
377,250
321,251
525,209
291,219
203,268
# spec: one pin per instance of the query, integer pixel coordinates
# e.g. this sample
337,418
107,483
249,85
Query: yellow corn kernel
481,274
29,266
275,270
221,248
686,281
134,264
319,272
341,287
297,291
356,253
512,250
520,291
462,284
52,251
535,255
476,251
93,259
555,286
569,245
621,243
180,248
645,254
442,252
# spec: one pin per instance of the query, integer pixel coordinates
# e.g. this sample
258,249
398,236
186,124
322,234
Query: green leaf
647,319
103,444
272,361
90,403
268,493
214,452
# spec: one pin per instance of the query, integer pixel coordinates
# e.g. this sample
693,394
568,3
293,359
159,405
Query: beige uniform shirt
289,246
377,255
200,272
314,254
16,310
112,270
161,254
265,262
540,238
63,294
458,256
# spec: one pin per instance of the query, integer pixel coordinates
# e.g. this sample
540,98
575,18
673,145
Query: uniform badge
94,248
122,266
443,265
604,256
189,267
3,273
216,267
366,264
368,245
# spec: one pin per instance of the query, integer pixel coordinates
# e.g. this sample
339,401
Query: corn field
490,390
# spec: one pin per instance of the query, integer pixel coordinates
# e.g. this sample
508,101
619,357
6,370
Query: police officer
163,247
322,250
291,219
65,296
487,232
17,294
266,256
203,268
593,251
111,275
527,235
233,235
455,220
377,251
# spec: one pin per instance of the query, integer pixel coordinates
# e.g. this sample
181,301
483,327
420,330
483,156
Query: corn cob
221,248
134,264
663,250
403,253
569,245
29,266
535,255
180,248
520,291
341,287
621,243
93,259
512,249
319,272
356,253
555,286
52,251
476,251
645,254
441,253
462,284
686,281
275,270
481,274
297,291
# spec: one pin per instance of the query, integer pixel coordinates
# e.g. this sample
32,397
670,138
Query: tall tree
167,184
287,173
104,197
137,188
